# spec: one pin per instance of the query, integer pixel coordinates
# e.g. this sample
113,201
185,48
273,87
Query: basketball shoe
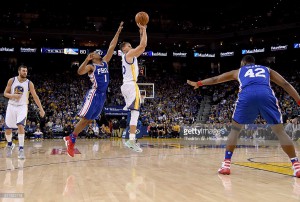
70,146
9,150
21,154
296,168
225,167
132,144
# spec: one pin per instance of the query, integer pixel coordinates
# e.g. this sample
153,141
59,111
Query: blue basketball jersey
95,97
100,77
256,96
254,75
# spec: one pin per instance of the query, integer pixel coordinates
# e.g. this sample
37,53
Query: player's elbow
80,72
5,94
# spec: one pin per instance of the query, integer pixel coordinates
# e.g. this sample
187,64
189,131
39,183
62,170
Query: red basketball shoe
296,168
225,168
69,145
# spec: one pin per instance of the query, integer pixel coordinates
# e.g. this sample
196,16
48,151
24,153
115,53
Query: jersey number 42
257,72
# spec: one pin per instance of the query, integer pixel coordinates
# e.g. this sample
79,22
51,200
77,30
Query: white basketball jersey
18,87
130,70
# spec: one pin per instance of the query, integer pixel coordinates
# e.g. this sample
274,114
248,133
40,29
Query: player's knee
8,131
134,117
20,126
236,127
277,128
86,121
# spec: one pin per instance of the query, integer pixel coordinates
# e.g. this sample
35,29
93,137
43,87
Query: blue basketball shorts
92,105
251,103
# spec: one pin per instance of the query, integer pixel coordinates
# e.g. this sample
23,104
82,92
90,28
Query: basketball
142,18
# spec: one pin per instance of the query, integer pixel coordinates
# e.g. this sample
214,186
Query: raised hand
193,83
120,27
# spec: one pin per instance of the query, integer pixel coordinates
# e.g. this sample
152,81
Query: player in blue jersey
255,97
97,69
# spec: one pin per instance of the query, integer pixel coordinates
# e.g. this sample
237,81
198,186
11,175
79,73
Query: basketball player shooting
130,89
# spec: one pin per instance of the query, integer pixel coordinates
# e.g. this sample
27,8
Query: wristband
199,83
298,102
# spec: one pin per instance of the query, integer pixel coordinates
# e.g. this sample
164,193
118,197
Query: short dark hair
22,66
248,59
122,45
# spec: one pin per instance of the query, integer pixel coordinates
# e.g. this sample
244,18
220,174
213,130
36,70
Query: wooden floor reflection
167,170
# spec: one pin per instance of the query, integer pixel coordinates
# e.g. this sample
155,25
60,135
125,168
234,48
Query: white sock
21,140
8,137
131,136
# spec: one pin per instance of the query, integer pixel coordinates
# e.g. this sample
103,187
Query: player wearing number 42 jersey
255,97
94,99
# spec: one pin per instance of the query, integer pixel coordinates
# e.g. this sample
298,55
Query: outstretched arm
136,52
113,44
227,76
280,81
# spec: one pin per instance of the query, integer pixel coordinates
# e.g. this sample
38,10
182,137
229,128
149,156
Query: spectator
123,124
38,134
115,128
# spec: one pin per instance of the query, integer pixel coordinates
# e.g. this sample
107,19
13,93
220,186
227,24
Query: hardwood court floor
167,170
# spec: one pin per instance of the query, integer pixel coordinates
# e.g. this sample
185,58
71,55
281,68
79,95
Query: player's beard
23,76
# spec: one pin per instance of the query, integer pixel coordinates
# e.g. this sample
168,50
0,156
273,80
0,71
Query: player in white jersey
17,91
130,89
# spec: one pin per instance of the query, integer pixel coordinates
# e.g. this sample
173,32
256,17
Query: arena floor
167,170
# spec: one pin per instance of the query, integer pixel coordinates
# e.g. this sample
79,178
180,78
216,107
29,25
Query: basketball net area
146,90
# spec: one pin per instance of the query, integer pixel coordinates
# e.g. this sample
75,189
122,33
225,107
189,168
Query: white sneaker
9,150
132,144
21,154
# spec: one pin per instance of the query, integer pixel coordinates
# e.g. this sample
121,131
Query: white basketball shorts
15,115
132,96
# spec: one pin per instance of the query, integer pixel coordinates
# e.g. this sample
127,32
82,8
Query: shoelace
226,164
296,166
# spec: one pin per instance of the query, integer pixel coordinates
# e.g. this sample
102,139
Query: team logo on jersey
18,90
102,70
